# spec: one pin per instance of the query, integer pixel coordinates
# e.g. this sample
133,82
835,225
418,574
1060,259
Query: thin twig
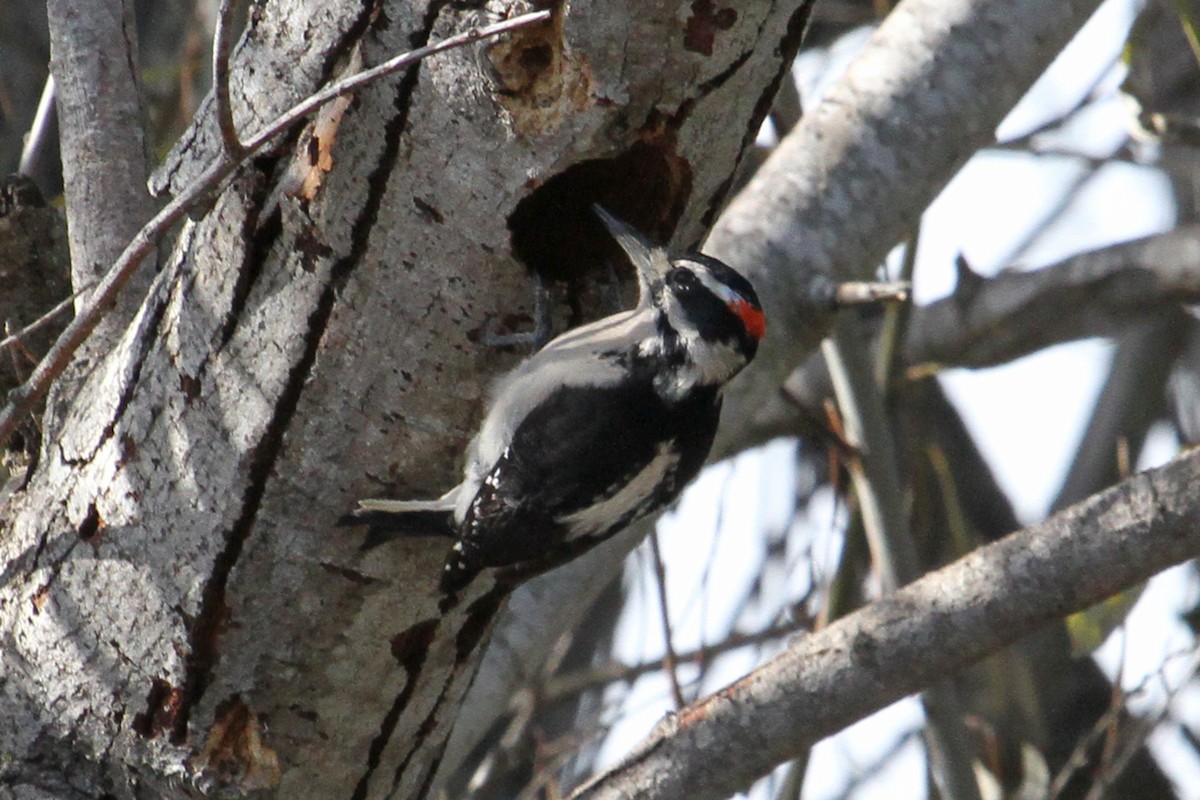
45,319
670,658
895,321
229,134
18,351
569,684
1066,201
1092,94
24,397
360,79
879,489
1113,716
858,293
37,131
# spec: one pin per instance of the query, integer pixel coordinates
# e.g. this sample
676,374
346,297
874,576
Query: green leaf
1089,628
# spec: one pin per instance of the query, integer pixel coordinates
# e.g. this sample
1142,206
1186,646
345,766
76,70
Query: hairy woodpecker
604,425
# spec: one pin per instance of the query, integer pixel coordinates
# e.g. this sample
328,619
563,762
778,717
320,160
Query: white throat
704,364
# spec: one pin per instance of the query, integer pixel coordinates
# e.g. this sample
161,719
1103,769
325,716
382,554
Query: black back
581,438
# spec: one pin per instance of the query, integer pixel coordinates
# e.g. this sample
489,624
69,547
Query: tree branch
1014,314
94,61
854,176
1134,397
561,686
880,493
24,397
936,625
220,57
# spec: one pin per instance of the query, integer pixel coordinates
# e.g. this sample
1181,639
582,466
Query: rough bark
938,624
35,266
892,138
177,609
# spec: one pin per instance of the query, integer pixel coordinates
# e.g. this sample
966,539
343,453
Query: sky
1027,417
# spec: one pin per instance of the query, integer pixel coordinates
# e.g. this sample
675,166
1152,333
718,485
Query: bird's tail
443,503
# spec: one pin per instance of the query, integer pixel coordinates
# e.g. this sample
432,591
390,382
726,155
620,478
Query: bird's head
703,300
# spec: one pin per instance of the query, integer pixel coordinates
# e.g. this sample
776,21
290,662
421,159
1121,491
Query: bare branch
93,49
860,293
874,468
392,65
997,320
45,319
670,658
23,398
558,687
229,134
1118,716
919,101
881,497
935,626
1134,397
32,149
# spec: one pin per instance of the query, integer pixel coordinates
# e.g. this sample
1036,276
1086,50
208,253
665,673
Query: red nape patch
751,317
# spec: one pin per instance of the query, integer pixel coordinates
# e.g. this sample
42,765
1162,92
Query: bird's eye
683,278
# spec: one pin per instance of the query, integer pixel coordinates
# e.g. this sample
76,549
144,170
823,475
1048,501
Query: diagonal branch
854,176
993,321
939,624
23,398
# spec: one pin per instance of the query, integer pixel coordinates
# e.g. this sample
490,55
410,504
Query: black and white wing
582,465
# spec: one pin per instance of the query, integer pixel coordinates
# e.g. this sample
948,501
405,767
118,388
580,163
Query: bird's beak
651,262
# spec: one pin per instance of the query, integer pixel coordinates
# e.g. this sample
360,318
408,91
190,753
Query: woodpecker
604,425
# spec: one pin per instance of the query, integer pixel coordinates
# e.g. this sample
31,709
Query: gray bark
94,59
892,138
945,621
177,608
1099,293
852,179
34,262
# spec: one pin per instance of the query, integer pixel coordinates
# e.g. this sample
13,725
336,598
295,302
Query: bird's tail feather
443,503
386,526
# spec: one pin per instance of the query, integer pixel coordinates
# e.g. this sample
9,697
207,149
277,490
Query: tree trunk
177,606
